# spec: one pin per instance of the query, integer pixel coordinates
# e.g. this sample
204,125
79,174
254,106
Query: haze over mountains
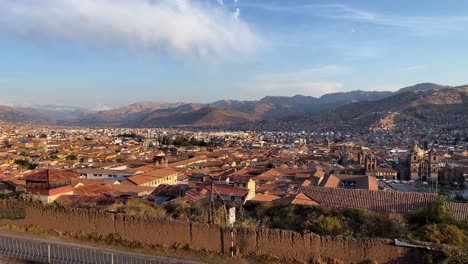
343,107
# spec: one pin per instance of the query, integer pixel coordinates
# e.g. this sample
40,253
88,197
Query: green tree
72,157
23,163
434,213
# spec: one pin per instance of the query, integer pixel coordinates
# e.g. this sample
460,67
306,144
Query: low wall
274,243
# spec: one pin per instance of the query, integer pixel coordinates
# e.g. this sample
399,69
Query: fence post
112,258
48,253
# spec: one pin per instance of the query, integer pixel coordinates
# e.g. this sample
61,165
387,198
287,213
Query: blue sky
107,53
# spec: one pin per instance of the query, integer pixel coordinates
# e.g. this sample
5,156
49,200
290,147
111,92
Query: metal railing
68,254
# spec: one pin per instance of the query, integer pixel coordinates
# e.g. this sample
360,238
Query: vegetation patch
12,213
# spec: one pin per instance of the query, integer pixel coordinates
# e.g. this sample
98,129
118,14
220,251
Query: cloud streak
182,27
424,25
310,81
417,24
294,88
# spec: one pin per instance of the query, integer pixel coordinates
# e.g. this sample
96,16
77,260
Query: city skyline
201,51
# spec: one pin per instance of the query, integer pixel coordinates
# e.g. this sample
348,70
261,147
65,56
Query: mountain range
344,106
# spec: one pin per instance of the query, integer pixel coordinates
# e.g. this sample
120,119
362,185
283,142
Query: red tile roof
96,190
460,210
384,201
168,190
264,198
299,198
362,181
398,202
49,175
78,200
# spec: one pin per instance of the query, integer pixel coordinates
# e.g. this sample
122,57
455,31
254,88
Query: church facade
423,164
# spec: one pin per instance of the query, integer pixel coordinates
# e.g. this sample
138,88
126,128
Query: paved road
67,253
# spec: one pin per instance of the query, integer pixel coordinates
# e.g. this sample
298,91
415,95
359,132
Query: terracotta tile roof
126,189
386,170
299,198
168,190
146,168
95,190
460,210
330,181
306,183
226,190
78,200
362,181
269,175
141,179
196,194
48,175
293,171
186,162
161,173
151,176
240,179
264,198
398,202
77,182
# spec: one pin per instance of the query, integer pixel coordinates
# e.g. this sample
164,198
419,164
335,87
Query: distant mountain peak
350,105
422,87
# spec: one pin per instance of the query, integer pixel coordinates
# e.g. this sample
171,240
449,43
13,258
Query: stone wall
273,243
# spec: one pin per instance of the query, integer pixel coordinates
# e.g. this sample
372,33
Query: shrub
446,255
140,207
434,213
442,234
326,225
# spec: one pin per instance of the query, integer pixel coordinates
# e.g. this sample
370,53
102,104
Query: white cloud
220,2
236,14
182,27
294,88
310,81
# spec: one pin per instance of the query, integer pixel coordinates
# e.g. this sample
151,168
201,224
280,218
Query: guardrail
49,252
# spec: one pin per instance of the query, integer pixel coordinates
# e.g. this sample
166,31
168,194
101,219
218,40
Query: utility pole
212,204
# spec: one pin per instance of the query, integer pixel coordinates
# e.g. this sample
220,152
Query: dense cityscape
233,131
